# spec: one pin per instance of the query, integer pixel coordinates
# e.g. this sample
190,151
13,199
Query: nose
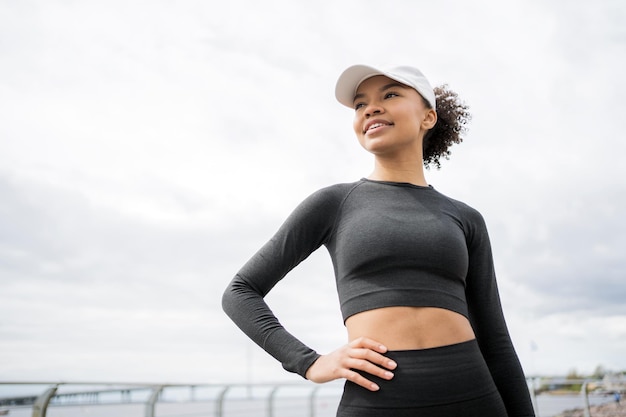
372,109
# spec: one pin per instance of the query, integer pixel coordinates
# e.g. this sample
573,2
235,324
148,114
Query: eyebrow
381,89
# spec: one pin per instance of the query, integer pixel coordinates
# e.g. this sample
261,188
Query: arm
308,227
488,321
305,230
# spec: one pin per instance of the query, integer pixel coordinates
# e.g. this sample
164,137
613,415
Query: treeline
574,380
599,373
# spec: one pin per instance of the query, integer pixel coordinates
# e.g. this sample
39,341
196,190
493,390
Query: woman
413,267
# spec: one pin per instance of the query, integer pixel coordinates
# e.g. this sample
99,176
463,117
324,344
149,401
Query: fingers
370,350
354,362
366,355
368,362
372,357
364,342
362,381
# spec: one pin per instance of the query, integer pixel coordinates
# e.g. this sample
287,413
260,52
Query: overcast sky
148,148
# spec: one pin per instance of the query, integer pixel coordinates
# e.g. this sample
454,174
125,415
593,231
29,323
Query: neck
407,171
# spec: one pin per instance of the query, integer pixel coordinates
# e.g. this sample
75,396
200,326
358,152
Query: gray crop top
391,244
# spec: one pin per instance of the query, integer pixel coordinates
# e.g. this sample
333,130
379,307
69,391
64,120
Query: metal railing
262,399
259,396
538,385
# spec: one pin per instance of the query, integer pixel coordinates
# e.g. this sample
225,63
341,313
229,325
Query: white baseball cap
351,78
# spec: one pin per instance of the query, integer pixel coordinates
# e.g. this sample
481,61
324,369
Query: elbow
234,295
228,300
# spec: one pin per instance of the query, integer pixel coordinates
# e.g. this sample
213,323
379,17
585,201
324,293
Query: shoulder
471,219
328,198
320,209
311,223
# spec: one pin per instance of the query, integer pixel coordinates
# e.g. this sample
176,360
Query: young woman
414,270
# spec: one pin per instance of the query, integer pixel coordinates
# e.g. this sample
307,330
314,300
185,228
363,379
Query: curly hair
452,118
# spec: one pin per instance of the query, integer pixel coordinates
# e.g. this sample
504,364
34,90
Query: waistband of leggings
425,377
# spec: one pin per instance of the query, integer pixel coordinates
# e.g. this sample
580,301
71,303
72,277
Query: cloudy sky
148,148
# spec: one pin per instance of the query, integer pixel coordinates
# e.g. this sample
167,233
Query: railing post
583,392
219,403
312,401
41,404
533,395
270,401
154,396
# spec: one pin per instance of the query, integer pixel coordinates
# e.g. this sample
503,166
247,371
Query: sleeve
489,324
304,231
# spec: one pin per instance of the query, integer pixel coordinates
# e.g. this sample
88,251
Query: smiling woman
413,267
388,118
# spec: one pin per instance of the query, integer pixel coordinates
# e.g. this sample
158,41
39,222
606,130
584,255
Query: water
551,405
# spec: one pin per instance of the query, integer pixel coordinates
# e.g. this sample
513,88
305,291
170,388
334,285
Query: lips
375,124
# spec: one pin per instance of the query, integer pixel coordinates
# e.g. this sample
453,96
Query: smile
375,125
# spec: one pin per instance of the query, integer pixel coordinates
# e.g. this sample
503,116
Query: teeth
375,125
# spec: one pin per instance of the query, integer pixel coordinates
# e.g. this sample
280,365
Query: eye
391,94
357,106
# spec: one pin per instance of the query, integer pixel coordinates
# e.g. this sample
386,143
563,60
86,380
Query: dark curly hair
452,119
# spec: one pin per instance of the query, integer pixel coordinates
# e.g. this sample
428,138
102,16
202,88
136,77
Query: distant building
614,381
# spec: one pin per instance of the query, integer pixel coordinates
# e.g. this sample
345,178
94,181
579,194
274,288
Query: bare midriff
406,328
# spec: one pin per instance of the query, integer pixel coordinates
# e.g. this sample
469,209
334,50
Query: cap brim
349,81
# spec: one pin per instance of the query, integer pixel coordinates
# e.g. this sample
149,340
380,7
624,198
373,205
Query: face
390,117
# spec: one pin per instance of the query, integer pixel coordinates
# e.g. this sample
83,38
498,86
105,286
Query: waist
447,375
403,328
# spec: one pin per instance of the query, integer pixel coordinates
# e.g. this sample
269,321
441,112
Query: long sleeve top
391,244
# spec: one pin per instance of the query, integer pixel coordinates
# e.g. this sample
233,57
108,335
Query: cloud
147,152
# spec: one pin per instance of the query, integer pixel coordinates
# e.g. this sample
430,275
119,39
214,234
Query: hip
447,380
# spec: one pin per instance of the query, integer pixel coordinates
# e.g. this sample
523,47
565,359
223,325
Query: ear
430,119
